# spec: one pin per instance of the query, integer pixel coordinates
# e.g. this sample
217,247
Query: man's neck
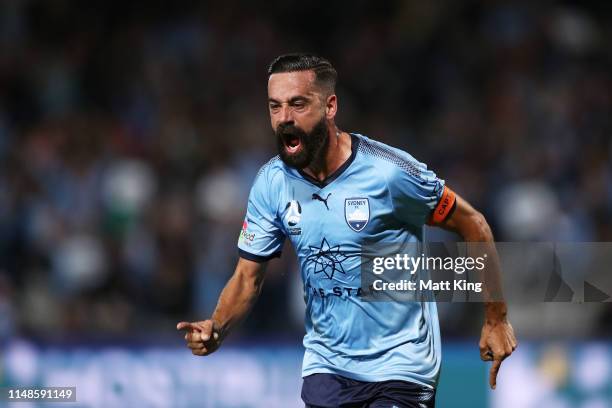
338,152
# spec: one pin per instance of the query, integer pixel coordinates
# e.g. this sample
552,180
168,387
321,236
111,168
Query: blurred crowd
131,132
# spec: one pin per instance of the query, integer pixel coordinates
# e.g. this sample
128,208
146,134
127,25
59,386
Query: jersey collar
339,170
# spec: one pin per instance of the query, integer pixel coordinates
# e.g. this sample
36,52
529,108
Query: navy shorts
332,391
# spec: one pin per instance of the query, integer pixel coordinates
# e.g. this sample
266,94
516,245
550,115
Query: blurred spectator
130,134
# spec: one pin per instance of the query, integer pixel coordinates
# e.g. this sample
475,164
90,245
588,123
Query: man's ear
331,106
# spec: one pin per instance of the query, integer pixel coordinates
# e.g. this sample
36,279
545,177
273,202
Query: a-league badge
357,213
293,216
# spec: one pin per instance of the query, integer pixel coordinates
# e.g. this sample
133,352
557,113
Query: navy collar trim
339,170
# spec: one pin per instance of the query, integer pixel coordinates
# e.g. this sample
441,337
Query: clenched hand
202,337
497,341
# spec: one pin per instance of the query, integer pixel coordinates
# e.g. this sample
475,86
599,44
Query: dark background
130,133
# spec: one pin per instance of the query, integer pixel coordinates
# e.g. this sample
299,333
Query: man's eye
274,107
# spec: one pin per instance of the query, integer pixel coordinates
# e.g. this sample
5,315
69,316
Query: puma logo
315,196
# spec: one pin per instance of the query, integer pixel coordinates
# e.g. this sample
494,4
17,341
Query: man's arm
235,302
497,340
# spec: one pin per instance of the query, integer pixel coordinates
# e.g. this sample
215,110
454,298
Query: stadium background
130,133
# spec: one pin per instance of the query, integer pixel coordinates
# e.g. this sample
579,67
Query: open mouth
292,143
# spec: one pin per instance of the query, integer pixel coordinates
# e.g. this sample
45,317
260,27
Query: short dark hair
325,74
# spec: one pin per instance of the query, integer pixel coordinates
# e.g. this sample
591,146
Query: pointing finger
493,373
186,326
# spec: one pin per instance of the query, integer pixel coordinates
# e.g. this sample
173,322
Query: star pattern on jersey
327,259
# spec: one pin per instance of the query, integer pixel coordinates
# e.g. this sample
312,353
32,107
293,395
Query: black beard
313,145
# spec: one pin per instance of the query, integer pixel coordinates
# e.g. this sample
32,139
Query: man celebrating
330,193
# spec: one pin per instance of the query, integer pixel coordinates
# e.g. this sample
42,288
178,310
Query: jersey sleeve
261,237
418,195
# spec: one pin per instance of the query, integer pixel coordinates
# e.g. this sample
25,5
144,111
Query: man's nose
286,115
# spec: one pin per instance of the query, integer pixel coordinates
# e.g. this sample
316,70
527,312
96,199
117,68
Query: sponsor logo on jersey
327,260
357,213
246,237
316,196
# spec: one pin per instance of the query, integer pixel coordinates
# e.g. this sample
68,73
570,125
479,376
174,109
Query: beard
310,148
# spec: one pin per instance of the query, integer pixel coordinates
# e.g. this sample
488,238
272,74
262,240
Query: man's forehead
291,83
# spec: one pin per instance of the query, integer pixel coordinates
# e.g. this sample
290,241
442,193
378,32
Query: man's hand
497,342
236,300
202,337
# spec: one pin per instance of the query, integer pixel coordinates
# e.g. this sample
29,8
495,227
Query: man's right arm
235,302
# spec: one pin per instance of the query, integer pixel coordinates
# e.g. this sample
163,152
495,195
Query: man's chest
342,213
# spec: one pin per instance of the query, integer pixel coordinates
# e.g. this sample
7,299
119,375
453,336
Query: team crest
357,213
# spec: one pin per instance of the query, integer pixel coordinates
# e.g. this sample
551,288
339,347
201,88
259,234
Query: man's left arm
497,340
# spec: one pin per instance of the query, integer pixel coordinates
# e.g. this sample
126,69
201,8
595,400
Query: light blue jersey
380,195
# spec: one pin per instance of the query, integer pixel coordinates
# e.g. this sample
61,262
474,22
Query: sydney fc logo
357,213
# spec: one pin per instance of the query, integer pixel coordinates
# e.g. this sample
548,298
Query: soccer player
330,192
